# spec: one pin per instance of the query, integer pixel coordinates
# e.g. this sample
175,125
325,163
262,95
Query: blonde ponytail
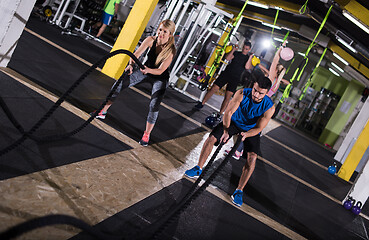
169,48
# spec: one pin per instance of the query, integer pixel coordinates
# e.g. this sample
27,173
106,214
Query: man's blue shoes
193,172
237,198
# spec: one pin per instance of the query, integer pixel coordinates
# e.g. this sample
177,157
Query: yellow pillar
129,36
355,155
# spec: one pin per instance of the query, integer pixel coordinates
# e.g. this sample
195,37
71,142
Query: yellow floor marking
251,212
60,48
133,88
296,152
305,183
257,215
52,97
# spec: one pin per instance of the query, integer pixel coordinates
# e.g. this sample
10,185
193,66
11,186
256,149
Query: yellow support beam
259,17
287,6
355,155
266,19
350,5
129,36
356,9
350,59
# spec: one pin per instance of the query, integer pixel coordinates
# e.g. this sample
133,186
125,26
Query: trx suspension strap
307,84
287,90
303,8
219,54
275,21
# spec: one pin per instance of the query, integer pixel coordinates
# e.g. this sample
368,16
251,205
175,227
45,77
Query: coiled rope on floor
29,134
194,192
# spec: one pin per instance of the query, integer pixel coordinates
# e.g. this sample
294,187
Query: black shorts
231,81
251,144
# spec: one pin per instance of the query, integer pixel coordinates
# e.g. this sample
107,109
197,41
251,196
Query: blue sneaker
193,172
237,198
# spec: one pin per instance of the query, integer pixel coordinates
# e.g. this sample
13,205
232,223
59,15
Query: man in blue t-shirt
230,76
247,114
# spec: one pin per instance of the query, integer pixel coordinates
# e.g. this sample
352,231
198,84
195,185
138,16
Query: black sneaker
199,105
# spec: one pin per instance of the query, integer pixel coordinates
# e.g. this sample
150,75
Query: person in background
109,12
230,76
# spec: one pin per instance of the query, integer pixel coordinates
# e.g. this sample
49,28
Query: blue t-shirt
249,112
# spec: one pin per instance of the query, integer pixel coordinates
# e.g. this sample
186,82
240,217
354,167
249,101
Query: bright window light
271,25
256,4
336,66
346,44
279,8
340,58
279,39
266,43
356,21
334,72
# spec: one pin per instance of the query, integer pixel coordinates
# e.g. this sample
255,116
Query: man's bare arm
260,125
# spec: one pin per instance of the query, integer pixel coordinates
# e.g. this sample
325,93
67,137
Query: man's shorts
225,78
251,144
106,18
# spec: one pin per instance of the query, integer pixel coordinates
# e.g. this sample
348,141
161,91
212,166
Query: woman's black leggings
157,93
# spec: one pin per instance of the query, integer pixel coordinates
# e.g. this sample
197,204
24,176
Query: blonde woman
161,53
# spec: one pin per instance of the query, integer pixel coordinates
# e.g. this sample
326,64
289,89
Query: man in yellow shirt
110,11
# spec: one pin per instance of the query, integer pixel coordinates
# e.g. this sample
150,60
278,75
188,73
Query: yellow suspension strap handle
307,84
204,83
287,90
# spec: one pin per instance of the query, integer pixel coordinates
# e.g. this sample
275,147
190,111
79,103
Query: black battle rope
52,220
10,116
62,98
58,136
165,221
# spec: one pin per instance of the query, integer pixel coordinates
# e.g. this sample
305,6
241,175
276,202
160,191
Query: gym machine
203,21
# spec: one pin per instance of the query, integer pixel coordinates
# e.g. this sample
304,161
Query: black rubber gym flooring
269,191
28,107
92,53
57,71
301,145
208,217
300,167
